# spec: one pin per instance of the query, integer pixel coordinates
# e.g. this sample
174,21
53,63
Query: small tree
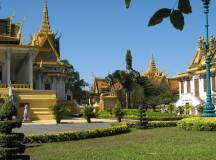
118,111
12,146
180,110
89,113
143,124
171,108
59,112
187,108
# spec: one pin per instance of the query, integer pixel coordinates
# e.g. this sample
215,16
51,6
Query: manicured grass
151,144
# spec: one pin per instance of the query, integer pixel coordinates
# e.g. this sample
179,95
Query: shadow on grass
33,145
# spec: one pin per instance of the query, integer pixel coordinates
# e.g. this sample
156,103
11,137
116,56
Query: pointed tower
153,72
152,66
45,25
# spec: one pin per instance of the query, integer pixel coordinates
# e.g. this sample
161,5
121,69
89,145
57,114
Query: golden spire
45,26
152,66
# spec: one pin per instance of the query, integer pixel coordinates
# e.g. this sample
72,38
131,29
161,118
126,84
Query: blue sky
97,33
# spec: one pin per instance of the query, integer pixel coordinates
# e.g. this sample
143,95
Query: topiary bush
143,121
198,124
11,144
118,112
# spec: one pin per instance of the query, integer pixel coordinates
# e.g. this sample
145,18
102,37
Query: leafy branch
176,15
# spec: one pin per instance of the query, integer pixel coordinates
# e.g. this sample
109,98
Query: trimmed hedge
70,136
198,124
150,124
151,116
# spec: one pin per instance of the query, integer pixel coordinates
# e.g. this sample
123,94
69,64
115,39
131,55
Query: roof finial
45,26
152,66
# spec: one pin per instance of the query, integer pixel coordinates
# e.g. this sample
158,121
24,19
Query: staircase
41,113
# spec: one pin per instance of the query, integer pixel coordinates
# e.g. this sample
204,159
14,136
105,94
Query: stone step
42,117
42,112
41,109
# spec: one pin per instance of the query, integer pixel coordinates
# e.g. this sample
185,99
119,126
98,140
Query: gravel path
53,128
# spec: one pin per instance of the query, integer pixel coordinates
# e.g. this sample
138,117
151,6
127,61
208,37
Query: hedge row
150,118
198,123
70,136
150,124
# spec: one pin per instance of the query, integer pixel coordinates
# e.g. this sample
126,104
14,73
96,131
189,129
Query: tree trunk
119,119
126,99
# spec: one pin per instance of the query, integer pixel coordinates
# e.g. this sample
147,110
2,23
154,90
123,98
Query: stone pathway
42,127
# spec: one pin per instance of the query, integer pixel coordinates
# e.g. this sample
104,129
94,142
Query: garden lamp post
209,109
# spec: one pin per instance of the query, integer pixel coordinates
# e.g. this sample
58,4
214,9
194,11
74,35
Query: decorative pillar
209,109
8,64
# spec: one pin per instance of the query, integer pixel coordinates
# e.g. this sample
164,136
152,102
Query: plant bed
198,124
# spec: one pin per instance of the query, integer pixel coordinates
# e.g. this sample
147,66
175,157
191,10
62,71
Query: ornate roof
10,33
45,38
45,25
198,63
154,73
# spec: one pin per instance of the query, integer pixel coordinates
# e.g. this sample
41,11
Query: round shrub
7,111
198,123
7,126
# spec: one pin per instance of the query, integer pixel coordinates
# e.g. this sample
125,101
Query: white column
192,86
8,64
180,89
30,70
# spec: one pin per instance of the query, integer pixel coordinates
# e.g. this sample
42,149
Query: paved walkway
78,124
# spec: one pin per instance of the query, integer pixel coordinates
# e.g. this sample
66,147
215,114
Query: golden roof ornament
152,66
201,42
45,25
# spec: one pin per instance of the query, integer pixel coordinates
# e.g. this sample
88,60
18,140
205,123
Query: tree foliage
128,60
176,14
75,84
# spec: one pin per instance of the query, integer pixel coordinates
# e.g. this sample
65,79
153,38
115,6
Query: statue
26,114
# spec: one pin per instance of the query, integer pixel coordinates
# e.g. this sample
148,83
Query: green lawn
151,144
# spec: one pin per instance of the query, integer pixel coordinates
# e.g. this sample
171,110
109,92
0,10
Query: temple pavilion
192,83
158,77
35,71
104,97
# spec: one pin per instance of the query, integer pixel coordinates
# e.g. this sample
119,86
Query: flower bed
198,123
70,136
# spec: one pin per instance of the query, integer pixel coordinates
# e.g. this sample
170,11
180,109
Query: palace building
35,71
192,83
